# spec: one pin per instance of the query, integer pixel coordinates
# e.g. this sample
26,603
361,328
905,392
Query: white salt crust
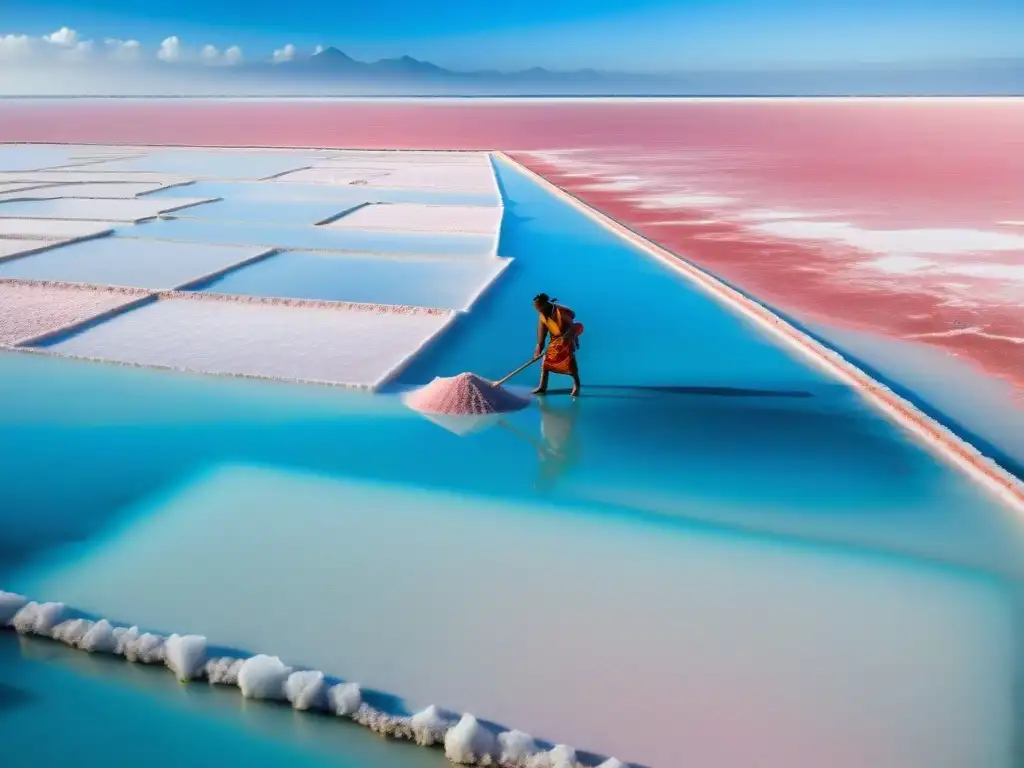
414,217
318,342
31,308
465,740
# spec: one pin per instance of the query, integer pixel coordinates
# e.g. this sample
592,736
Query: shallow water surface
108,712
717,555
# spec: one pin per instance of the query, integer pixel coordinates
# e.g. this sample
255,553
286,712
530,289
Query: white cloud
67,38
15,47
123,50
66,45
81,51
210,54
170,49
282,55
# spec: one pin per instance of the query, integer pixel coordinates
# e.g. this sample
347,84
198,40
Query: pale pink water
464,395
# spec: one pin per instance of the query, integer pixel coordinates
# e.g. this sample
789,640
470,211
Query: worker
560,323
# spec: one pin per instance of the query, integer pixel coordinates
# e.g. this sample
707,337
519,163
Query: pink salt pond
465,403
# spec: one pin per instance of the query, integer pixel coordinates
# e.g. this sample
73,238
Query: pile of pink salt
464,395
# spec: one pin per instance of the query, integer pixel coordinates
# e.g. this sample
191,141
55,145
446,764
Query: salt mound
464,395
345,698
469,743
185,655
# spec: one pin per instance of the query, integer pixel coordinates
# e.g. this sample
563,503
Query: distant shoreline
521,98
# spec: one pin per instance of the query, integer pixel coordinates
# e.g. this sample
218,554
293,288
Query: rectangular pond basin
293,192
367,278
130,263
215,164
718,555
350,345
314,238
131,210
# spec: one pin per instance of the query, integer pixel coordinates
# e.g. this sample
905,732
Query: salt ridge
465,740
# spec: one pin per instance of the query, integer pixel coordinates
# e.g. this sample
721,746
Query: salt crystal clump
611,762
70,632
515,747
37,618
10,604
185,655
99,638
345,699
144,648
394,726
464,395
563,757
469,743
559,757
306,690
223,671
263,677
429,726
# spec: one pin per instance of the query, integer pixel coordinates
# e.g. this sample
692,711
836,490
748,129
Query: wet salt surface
352,347
424,218
131,263
13,246
295,193
114,190
29,309
207,164
131,210
52,229
313,238
369,278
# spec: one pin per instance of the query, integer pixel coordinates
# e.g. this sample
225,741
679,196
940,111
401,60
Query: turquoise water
713,527
59,707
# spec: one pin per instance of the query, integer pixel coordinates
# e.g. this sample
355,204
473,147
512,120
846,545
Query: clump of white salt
345,698
99,638
470,743
429,726
223,671
306,689
516,747
263,677
185,656
37,618
464,395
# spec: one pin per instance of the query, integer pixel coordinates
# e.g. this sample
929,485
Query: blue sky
636,35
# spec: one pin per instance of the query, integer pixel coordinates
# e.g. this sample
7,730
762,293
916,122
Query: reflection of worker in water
559,449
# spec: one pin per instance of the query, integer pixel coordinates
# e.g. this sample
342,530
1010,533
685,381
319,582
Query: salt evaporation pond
717,556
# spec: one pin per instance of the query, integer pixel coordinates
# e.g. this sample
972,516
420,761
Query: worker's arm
542,335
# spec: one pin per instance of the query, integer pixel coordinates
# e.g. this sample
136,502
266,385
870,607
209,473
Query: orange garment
561,351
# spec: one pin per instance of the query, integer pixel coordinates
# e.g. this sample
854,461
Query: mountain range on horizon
332,72
334,61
